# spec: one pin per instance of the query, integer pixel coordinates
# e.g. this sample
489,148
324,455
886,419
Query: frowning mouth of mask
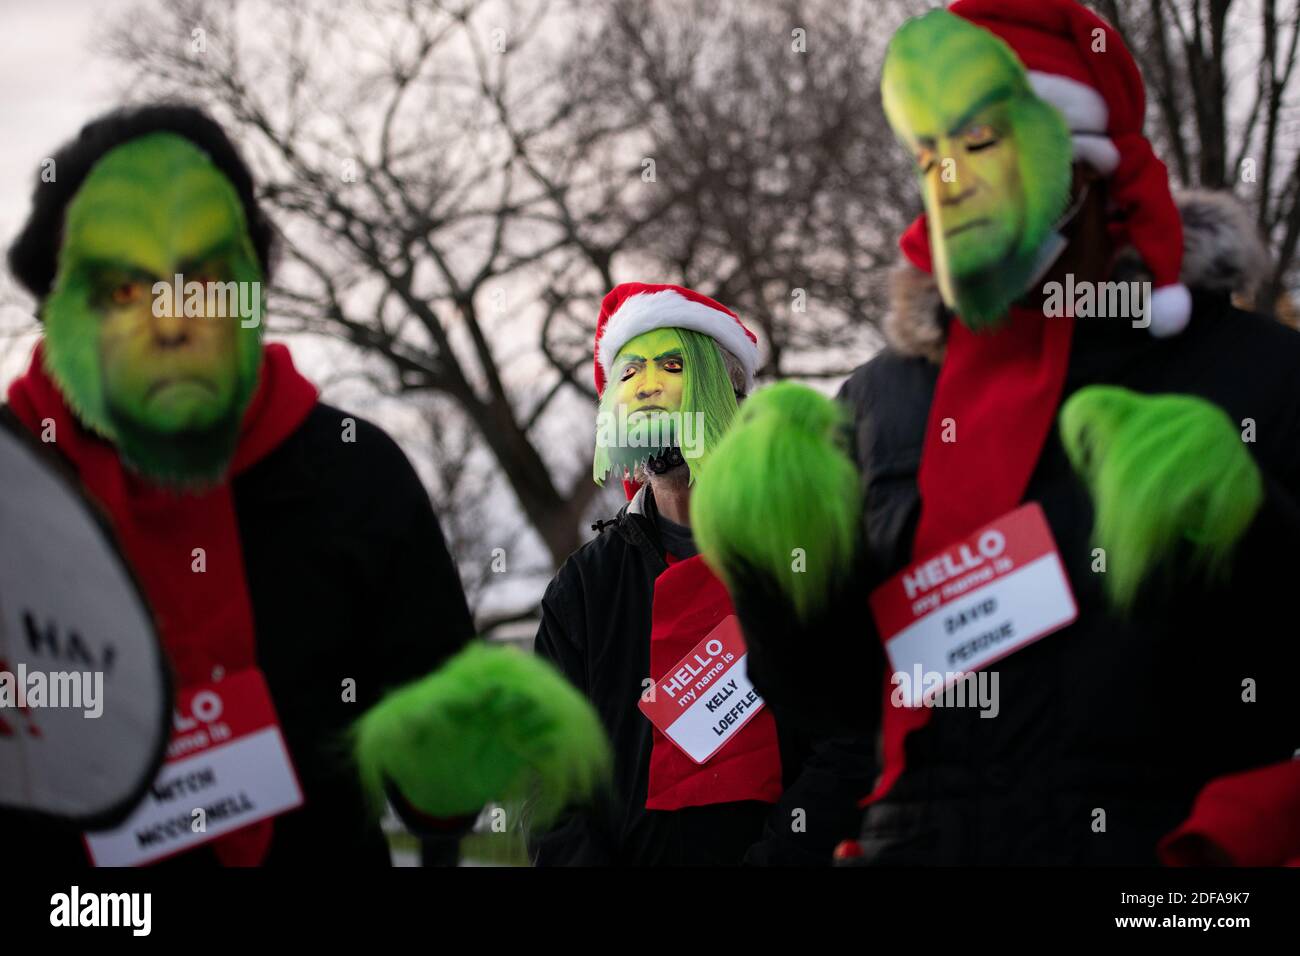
194,382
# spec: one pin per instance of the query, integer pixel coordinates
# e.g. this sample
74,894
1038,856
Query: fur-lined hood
1222,252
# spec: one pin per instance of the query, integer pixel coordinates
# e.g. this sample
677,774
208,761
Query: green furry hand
492,724
780,496
1162,470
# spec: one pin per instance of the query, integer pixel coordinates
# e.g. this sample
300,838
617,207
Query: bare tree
18,328
458,183
396,190
1219,76
768,175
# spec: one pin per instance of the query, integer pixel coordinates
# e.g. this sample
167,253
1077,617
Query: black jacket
1130,715
349,577
596,617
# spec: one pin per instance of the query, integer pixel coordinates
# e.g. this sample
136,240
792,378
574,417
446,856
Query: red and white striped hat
633,308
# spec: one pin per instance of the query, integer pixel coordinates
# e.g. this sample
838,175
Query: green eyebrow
996,95
220,247
133,269
630,359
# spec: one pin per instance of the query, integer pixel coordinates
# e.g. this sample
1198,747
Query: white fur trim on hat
1083,107
1171,310
667,309
1099,152
1085,114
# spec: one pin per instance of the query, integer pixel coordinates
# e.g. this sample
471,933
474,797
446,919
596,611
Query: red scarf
205,620
997,396
689,602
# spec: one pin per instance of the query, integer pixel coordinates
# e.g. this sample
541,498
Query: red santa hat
636,307
1077,62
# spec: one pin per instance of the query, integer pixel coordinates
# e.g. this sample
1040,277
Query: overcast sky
51,82
49,85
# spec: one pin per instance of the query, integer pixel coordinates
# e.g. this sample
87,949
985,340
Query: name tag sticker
706,698
226,757
974,602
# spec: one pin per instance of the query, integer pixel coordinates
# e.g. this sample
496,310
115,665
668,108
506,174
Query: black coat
1132,714
596,618
349,577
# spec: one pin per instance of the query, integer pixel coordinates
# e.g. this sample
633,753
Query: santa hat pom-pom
1171,309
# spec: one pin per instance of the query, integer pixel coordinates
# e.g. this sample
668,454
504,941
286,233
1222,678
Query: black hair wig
33,257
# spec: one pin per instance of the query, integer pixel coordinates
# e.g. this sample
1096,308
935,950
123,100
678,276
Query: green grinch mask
668,389
994,161
152,328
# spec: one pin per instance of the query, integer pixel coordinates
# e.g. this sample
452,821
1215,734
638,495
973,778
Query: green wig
781,496
708,398
1162,470
493,724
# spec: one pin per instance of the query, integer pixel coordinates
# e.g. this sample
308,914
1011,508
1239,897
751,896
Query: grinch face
166,377
649,373
992,158
668,389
